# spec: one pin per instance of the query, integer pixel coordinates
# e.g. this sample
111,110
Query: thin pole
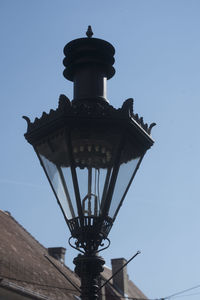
89,190
138,252
63,274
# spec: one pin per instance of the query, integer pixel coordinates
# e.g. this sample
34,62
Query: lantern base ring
89,232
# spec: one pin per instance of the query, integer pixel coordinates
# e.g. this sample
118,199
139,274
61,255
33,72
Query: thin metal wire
196,294
98,192
62,273
138,252
182,292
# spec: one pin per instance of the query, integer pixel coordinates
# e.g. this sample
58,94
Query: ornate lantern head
89,150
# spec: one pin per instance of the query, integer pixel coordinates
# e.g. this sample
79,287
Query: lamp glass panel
93,186
125,174
54,155
93,156
68,179
128,161
55,175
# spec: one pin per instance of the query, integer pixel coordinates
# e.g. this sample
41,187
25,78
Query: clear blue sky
157,46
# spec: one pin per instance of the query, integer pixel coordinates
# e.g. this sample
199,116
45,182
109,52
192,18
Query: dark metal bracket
107,239
78,249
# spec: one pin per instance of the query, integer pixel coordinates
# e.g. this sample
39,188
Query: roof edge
21,290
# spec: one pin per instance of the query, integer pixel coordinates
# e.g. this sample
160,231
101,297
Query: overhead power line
189,295
181,292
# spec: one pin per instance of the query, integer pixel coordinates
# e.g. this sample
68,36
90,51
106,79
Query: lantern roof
69,112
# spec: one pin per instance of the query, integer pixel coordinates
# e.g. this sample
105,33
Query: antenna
138,252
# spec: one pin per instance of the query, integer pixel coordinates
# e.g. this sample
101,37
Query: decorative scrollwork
75,247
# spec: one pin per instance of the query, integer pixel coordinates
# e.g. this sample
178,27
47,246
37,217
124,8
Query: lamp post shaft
88,268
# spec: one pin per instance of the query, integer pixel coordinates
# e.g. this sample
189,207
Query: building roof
29,272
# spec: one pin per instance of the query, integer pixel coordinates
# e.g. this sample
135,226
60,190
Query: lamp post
90,153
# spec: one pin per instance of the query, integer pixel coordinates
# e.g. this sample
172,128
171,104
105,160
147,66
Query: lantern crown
89,64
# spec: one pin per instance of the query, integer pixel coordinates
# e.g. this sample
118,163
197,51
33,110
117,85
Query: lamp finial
89,32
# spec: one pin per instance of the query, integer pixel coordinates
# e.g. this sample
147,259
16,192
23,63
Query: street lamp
90,153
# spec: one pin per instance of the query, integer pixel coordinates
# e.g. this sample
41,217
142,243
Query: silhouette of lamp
90,152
